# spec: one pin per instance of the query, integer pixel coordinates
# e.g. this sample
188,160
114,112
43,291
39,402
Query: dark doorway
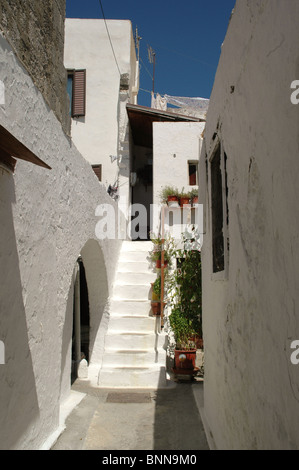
81,321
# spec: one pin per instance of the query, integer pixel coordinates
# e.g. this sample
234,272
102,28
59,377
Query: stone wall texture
250,310
35,30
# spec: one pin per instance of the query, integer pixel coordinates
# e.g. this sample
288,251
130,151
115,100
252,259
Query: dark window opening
226,188
192,167
217,212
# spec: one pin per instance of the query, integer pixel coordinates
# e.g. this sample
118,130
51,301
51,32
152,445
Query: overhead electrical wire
109,37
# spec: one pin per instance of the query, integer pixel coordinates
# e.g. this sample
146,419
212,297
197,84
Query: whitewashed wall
251,314
47,219
103,132
174,144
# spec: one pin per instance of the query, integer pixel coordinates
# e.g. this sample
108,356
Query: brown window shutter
98,171
79,93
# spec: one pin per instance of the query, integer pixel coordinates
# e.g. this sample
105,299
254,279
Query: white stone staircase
135,350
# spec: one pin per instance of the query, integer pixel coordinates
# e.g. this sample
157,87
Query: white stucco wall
174,144
103,131
48,218
250,316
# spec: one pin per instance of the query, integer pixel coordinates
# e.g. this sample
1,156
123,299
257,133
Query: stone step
137,307
132,323
137,377
143,246
134,256
132,292
135,267
116,341
135,278
135,349
136,358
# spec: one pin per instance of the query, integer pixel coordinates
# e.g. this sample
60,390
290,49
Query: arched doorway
81,320
94,288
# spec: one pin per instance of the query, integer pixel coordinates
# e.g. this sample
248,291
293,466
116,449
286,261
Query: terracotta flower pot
158,263
184,201
172,198
156,308
185,359
173,201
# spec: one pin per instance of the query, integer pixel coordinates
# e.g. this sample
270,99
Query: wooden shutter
79,93
98,171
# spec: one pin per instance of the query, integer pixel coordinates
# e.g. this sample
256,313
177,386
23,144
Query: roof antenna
152,60
137,39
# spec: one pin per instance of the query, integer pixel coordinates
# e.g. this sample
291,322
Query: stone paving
141,419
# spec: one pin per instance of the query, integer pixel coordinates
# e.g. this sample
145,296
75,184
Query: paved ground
166,419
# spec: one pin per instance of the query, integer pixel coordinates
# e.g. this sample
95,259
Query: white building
106,70
48,198
49,194
113,131
250,250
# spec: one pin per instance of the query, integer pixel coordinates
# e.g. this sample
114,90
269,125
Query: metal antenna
137,39
152,60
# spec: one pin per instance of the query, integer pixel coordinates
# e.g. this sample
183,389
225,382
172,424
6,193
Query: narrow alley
114,419
149,232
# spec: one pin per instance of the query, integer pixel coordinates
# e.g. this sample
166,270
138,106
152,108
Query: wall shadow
178,424
19,403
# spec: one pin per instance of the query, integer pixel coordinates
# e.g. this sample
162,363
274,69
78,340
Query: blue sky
185,35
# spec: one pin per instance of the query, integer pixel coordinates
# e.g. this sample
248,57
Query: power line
184,55
109,37
146,68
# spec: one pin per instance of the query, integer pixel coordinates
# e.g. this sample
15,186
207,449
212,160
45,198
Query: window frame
78,92
221,274
193,163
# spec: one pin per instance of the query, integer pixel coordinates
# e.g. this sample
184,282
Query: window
98,171
219,209
192,170
76,88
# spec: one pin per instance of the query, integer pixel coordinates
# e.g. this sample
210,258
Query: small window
76,88
193,177
217,212
98,171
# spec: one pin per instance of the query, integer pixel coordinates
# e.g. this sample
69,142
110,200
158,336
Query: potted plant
156,307
156,289
158,256
194,196
156,297
185,347
185,318
184,198
169,195
156,253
